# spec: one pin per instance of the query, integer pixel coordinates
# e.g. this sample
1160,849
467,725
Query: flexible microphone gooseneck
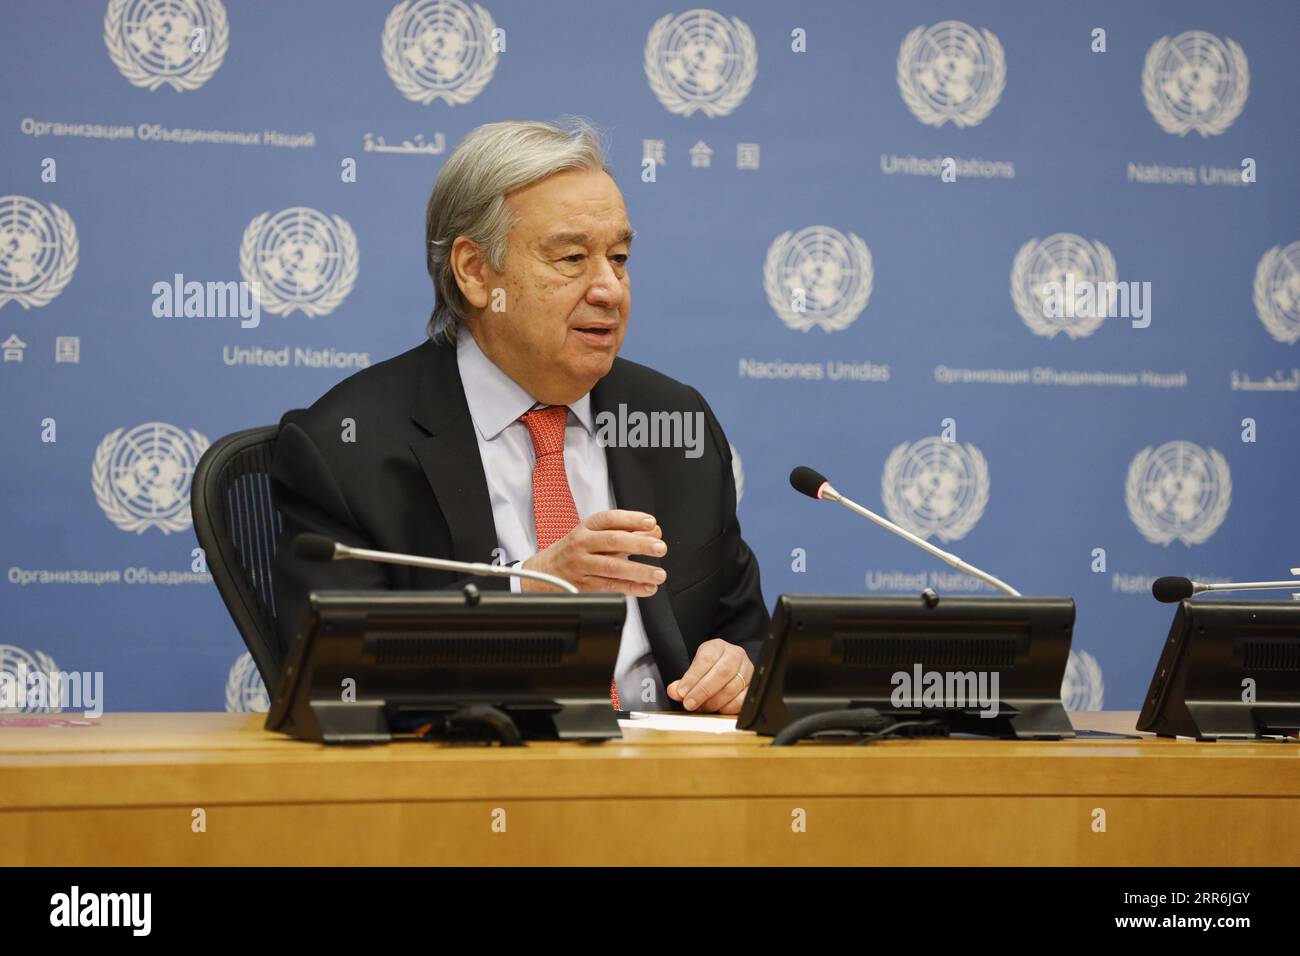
1171,590
813,483
317,547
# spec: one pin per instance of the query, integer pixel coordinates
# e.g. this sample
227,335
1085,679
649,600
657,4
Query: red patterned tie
553,509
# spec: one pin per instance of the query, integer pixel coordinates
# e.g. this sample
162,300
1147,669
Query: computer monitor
371,666
1228,669
999,662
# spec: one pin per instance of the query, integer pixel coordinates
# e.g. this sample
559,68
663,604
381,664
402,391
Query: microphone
1172,590
317,547
813,483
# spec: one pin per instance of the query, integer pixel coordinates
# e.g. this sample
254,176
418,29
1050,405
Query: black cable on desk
866,721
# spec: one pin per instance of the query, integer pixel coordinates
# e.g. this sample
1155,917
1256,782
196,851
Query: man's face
564,287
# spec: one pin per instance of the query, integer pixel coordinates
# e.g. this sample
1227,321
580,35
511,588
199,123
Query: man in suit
491,441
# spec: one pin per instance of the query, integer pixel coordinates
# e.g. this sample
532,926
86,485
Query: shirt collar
494,398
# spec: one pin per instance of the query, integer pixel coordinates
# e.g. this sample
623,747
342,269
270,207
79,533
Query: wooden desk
123,792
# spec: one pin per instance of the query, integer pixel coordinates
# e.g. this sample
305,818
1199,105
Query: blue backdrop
848,219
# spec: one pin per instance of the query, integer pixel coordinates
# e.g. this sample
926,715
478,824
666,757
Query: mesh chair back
238,525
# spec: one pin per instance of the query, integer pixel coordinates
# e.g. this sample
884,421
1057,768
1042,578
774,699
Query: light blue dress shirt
495,403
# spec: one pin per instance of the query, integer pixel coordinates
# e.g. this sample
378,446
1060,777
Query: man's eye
620,259
576,257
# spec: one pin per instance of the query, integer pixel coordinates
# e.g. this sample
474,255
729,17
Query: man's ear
467,266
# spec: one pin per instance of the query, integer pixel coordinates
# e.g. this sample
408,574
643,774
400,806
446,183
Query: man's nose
605,290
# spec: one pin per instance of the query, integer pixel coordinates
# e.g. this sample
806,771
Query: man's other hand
716,680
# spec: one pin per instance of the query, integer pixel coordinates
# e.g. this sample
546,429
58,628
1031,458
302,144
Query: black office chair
238,525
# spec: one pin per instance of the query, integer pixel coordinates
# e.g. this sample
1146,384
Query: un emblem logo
1178,491
951,72
702,61
1195,81
935,487
142,477
439,49
245,692
177,42
1082,687
1277,292
38,251
1065,260
818,277
300,259
18,664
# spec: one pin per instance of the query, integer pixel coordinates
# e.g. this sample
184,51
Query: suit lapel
448,454
630,474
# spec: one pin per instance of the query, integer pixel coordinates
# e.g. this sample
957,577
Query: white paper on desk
681,723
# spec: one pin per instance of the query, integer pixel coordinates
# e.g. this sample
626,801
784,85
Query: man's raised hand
594,555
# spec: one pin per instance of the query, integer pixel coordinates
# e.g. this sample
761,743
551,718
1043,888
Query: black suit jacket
411,480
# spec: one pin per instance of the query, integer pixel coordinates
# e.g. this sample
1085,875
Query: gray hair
469,197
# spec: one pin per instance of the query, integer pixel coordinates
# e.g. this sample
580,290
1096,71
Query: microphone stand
830,494
342,553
